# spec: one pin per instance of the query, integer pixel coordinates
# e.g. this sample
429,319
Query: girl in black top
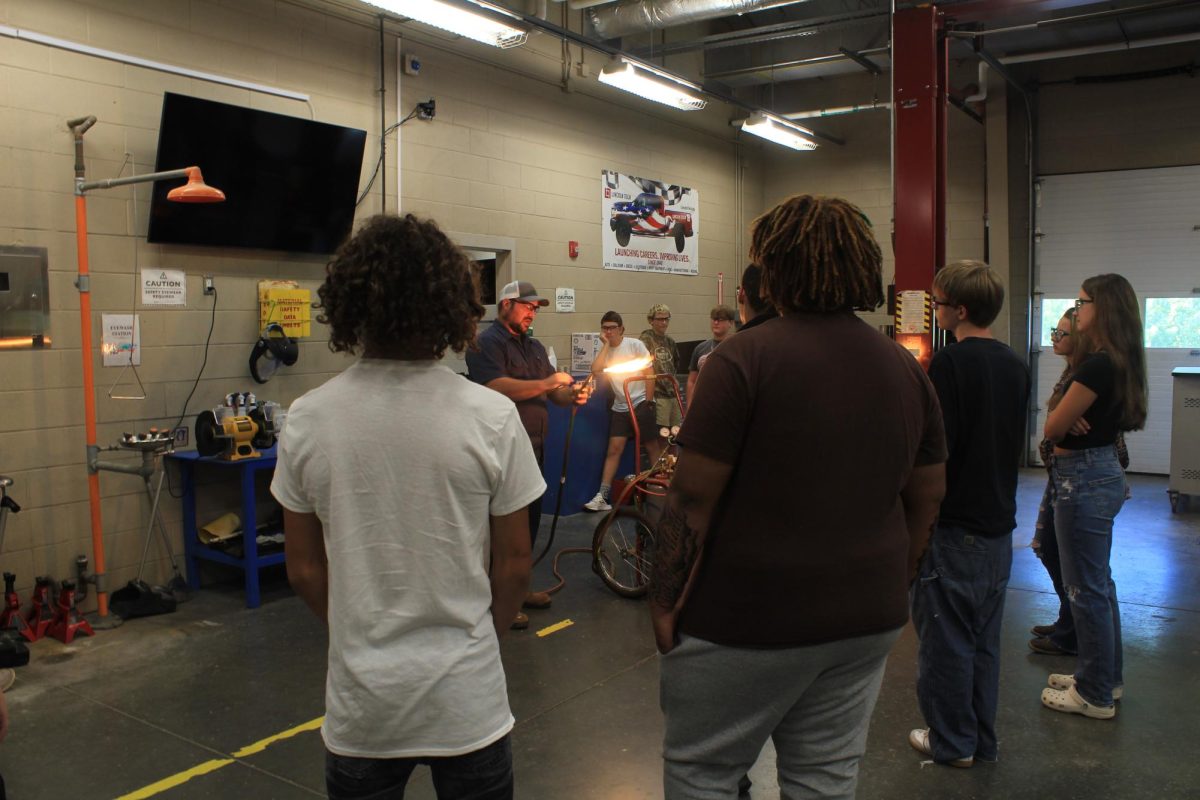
1105,395
1059,638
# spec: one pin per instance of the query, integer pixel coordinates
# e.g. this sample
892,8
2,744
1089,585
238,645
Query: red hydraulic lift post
919,64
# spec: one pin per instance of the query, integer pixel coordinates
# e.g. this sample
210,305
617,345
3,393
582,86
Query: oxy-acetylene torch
632,365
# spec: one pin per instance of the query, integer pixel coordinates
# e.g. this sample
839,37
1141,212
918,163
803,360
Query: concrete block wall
510,154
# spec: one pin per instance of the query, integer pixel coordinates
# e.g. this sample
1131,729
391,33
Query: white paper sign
164,287
584,347
121,340
564,300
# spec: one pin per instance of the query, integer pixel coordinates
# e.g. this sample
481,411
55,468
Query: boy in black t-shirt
958,600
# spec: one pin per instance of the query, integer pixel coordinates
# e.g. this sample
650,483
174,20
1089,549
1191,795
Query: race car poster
649,226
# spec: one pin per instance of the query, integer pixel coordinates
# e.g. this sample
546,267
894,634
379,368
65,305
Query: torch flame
632,365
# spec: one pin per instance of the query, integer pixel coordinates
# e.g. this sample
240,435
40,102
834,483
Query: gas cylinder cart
623,546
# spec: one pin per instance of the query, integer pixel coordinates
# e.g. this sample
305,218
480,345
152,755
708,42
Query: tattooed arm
697,485
922,497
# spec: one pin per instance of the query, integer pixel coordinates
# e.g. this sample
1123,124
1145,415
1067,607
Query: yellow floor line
262,744
217,763
555,628
177,779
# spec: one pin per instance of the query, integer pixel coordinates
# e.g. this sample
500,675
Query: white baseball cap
522,291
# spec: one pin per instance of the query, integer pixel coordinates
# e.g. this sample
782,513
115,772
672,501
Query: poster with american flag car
648,225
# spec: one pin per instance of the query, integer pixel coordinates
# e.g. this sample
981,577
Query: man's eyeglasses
531,306
660,319
933,301
1081,302
610,327
1057,335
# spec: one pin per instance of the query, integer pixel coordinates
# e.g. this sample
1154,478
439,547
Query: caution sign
913,311
164,287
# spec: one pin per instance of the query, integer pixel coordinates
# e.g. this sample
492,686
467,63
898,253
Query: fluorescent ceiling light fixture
780,131
652,84
470,19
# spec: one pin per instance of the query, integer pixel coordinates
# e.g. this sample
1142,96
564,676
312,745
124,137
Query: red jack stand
42,613
67,620
10,618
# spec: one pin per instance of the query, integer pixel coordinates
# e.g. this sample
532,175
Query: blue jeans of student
1089,490
958,603
485,774
1046,537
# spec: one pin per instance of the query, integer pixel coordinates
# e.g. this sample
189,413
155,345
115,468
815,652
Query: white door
1145,225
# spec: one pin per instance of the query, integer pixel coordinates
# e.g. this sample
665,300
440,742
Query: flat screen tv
290,184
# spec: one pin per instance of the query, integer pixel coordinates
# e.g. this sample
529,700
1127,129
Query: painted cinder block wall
511,154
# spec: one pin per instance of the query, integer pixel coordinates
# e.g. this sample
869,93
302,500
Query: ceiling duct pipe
640,16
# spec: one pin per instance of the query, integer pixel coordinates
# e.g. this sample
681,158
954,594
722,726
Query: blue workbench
251,562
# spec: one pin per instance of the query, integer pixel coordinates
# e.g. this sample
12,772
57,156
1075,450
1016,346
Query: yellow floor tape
217,763
555,628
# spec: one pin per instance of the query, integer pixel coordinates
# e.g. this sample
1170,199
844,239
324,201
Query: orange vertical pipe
89,395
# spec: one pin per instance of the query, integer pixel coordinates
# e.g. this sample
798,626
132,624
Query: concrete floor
183,693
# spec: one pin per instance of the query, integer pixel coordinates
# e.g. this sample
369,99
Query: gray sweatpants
815,703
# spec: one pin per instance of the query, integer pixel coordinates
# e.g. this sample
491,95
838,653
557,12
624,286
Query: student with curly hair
404,489
1105,396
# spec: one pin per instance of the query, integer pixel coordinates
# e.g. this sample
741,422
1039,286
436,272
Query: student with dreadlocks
781,578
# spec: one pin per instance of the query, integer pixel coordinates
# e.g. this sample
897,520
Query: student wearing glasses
618,349
1105,396
507,359
1058,638
666,362
958,599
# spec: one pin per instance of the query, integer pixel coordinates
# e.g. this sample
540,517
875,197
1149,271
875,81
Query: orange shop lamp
195,191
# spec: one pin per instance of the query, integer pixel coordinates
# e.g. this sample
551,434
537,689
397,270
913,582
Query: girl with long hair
1058,638
1104,396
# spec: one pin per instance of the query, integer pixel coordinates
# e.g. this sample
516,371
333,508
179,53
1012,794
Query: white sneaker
1064,682
597,503
1069,701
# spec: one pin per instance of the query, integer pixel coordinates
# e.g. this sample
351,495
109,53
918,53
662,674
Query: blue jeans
1089,490
1046,538
485,774
958,604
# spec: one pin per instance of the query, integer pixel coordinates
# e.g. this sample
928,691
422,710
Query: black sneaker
1048,648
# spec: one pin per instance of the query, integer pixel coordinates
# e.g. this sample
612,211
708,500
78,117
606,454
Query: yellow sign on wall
284,302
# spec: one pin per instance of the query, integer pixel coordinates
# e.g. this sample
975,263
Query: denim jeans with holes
1089,490
1046,548
957,606
485,774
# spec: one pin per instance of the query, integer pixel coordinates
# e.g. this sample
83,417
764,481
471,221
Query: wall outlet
208,285
412,64
180,435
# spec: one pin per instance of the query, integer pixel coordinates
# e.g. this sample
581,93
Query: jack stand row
61,621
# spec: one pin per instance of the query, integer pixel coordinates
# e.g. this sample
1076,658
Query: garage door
1145,225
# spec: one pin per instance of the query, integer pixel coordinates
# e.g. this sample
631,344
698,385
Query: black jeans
485,774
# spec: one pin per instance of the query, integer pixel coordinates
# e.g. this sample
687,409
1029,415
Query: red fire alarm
573,249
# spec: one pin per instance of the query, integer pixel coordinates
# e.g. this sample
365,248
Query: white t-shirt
630,348
403,462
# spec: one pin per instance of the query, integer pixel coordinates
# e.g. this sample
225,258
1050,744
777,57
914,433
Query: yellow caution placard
913,311
286,303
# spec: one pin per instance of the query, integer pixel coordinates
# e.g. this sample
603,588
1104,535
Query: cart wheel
1174,498
623,551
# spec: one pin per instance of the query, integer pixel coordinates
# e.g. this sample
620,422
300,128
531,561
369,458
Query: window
1053,309
1173,322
